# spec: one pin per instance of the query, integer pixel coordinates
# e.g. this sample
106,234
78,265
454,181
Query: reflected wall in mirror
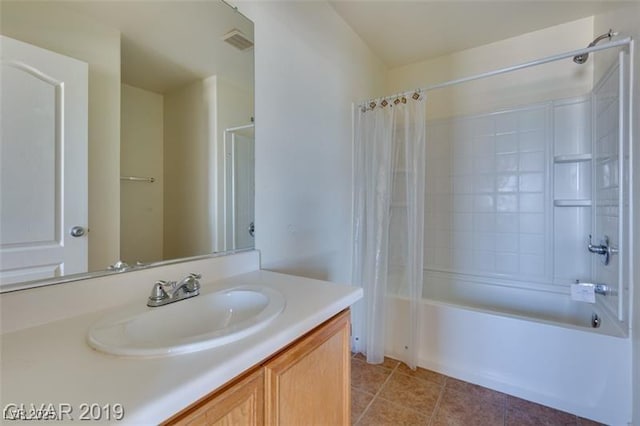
127,134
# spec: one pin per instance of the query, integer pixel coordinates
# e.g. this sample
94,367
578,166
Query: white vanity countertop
52,363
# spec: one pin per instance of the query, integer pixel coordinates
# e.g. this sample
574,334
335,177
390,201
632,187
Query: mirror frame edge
28,285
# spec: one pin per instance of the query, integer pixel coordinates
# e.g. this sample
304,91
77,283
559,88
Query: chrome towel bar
138,179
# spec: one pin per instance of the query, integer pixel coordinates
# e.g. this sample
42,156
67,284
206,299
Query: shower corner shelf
572,158
572,203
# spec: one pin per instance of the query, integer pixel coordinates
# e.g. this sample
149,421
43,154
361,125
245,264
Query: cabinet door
241,403
308,383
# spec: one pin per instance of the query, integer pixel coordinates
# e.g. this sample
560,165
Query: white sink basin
190,325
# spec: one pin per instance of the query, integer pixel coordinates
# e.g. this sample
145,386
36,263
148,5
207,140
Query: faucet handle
157,292
119,266
193,284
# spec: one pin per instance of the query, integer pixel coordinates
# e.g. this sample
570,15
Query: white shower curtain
389,184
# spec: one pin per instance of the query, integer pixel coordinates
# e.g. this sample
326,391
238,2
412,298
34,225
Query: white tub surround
50,362
513,195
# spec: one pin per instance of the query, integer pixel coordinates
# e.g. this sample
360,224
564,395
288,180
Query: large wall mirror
127,135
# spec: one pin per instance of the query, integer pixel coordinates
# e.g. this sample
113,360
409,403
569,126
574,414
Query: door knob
76,231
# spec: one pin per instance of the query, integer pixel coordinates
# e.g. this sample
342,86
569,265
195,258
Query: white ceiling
166,44
402,32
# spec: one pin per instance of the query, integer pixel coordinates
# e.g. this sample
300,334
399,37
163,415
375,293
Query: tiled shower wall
491,194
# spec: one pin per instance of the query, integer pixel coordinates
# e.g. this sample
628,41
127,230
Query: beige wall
552,81
141,154
310,67
194,122
189,129
627,22
48,25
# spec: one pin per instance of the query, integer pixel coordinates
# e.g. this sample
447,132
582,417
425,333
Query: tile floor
393,394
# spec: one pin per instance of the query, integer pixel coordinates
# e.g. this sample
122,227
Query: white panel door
244,190
43,159
239,188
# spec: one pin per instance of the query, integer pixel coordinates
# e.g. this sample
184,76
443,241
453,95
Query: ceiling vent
238,40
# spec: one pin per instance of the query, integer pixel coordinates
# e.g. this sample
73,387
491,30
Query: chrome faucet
602,289
119,266
165,292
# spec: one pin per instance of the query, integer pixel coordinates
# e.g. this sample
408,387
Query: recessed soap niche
572,181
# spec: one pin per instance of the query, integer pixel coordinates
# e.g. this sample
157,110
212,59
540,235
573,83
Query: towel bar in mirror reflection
138,179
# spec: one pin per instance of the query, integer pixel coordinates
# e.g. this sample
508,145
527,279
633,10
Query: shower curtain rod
553,58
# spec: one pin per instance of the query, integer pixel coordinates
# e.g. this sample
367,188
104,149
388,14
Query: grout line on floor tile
420,380
403,407
505,405
437,406
504,410
377,393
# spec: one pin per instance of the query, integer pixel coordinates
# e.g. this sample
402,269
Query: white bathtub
537,345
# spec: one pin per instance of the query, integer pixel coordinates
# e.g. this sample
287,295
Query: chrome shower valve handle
604,249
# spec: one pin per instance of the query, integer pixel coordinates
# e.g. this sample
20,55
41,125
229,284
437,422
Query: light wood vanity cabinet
238,403
308,382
